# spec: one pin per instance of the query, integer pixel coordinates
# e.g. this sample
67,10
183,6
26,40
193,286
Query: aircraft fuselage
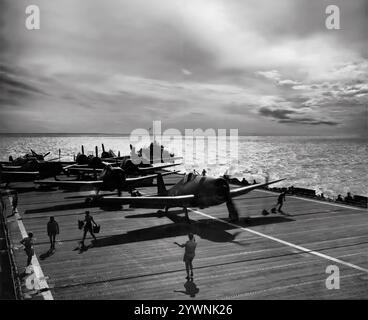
208,191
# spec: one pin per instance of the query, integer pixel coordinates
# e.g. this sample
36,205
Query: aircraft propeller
224,192
233,211
39,156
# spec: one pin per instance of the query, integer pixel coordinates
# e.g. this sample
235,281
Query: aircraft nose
222,188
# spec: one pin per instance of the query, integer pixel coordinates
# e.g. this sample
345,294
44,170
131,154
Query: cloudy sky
262,66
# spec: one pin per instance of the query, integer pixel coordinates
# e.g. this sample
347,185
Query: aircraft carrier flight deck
278,256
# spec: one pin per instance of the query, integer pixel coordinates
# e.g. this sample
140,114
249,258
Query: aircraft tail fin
161,188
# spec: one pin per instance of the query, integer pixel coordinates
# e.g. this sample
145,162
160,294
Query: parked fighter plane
127,165
7,176
191,191
91,161
155,153
20,161
110,179
96,162
29,167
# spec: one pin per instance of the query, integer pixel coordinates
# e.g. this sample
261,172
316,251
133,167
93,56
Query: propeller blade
233,212
46,154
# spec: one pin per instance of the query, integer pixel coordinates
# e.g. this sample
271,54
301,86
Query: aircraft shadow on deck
76,206
60,207
21,190
209,229
243,222
153,214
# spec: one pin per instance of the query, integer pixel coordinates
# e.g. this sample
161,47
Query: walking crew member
189,254
28,247
280,201
52,231
15,202
88,227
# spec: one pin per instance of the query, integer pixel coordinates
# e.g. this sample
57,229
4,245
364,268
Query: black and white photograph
197,151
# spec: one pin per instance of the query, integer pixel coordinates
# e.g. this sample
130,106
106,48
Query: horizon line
127,134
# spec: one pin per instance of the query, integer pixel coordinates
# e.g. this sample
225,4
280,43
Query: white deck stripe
303,249
40,277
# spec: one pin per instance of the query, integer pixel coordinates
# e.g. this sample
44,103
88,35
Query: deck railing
16,286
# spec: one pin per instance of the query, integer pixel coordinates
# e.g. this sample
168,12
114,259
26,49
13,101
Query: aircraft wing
143,178
74,165
89,170
158,167
20,173
139,179
243,190
12,168
169,201
113,160
17,176
76,183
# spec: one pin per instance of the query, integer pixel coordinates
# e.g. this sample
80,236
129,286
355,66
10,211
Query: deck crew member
88,219
349,198
280,201
28,247
189,254
52,231
15,202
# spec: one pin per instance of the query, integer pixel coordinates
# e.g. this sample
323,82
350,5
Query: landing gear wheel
247,220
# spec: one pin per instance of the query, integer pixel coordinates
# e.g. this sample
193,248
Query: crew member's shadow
274,211
283,213
191,289
47,254
82,248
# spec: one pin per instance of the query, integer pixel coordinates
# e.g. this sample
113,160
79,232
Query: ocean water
327,164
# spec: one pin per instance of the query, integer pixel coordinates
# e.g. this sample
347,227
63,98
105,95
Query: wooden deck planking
135,258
